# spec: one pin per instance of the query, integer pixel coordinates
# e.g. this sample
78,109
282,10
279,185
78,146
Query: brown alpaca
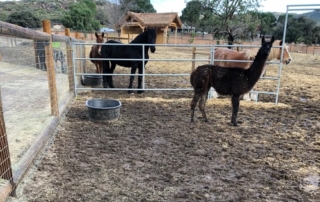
96,53
227,81
249,54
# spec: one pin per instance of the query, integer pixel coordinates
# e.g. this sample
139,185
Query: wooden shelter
133,24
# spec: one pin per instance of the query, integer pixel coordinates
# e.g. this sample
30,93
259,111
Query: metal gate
79,57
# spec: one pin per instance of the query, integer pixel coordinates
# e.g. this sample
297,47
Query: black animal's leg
235,107
133,72
105,79
193,104
110,81
202,105
140,80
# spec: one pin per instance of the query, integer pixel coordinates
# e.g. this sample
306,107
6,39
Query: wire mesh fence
36,83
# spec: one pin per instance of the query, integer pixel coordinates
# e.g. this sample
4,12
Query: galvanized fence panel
181,77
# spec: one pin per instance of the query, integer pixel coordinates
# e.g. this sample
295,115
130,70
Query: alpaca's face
266,46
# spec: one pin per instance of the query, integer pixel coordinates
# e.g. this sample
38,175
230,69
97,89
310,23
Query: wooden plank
21,32
69,62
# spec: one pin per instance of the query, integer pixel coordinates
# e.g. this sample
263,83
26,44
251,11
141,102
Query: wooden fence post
193,58
5,161
77,35
70,61
51,71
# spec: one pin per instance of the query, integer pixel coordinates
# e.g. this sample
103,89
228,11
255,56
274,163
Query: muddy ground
153,152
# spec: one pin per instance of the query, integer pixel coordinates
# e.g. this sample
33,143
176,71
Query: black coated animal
129,52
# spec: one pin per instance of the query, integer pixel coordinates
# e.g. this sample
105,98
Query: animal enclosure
154,153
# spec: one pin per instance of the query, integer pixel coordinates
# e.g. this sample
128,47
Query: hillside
44,9
315,15
54,9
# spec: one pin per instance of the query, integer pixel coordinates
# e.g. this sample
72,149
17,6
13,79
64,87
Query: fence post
69,61
51,71
5,161
193,58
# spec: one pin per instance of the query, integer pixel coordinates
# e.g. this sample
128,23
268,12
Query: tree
229,17
267,23
191,13
299,29
81,16
101,16
24,19
114,12
316,34
118,8
138,6
3,17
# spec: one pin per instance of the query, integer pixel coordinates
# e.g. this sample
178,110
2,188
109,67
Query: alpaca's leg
235,107
202,106
193,104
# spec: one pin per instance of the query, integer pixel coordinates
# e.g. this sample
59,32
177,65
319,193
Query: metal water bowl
91,80
101,110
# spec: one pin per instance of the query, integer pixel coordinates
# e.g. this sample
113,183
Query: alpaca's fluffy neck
256,68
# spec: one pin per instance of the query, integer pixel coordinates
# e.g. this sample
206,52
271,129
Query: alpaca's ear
96,34
272,39
102,34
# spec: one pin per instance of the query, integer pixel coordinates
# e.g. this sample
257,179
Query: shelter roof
150,20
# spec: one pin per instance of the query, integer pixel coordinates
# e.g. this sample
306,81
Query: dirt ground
154,153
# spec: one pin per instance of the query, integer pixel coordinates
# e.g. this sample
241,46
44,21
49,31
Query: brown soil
154,153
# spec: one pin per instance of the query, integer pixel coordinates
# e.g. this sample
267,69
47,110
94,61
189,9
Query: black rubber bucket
102,110
91,80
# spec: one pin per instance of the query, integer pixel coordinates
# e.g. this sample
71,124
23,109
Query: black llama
227,81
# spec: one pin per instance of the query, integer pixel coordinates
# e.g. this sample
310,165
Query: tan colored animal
96,52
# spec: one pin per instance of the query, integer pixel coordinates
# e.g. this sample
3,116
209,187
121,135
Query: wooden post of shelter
69,61
165,35
5,161
51,71
175,35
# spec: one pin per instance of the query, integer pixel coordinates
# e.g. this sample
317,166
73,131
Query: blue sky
268,5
